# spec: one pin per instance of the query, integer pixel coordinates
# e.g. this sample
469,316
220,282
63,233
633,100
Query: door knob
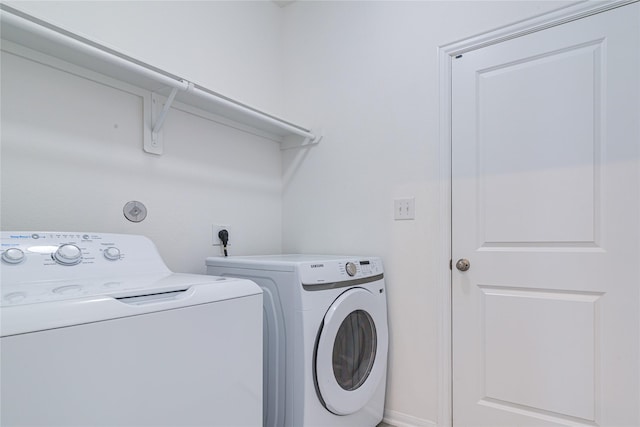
463,264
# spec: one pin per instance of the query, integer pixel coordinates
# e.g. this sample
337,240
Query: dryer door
351,351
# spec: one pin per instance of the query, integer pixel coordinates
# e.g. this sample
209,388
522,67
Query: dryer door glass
351,351
354,350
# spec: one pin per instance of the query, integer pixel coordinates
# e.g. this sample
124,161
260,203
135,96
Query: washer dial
112,253
67,254
13,256
351,269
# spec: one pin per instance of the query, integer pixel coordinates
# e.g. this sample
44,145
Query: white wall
367,72
72,149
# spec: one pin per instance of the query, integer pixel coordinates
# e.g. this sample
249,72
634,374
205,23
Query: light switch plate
404,209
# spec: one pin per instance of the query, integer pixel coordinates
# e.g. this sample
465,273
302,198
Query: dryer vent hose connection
223,235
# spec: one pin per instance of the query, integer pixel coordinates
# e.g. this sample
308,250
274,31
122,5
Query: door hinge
451,264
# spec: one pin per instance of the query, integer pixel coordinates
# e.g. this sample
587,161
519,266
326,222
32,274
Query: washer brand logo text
317,265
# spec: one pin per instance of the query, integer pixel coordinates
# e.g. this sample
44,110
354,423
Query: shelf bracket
293,141
157,126
155,143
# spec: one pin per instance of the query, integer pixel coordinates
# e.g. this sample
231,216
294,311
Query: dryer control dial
67,254
13,256
351,269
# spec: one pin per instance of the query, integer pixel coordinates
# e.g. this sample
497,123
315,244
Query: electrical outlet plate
215,240
404,208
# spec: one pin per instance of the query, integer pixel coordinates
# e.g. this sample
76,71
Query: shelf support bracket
157,126
293,141
155,144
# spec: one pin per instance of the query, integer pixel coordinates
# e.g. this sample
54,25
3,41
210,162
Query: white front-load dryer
325,337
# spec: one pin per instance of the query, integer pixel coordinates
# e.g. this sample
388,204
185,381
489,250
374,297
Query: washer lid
47,291
48,305
351,354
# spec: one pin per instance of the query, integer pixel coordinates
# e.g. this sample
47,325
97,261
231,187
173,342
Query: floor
384,425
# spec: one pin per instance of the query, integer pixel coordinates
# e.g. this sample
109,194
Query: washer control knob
351,269
112,253
14,297
67,254
13,256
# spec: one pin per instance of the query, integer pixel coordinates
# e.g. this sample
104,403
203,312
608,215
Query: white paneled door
545,207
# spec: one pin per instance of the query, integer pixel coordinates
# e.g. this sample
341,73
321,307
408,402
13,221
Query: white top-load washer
326,336
97,331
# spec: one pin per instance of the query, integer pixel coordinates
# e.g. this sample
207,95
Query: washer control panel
340,270
39,256
68,249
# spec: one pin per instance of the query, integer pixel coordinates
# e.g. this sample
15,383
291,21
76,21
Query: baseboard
398,419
